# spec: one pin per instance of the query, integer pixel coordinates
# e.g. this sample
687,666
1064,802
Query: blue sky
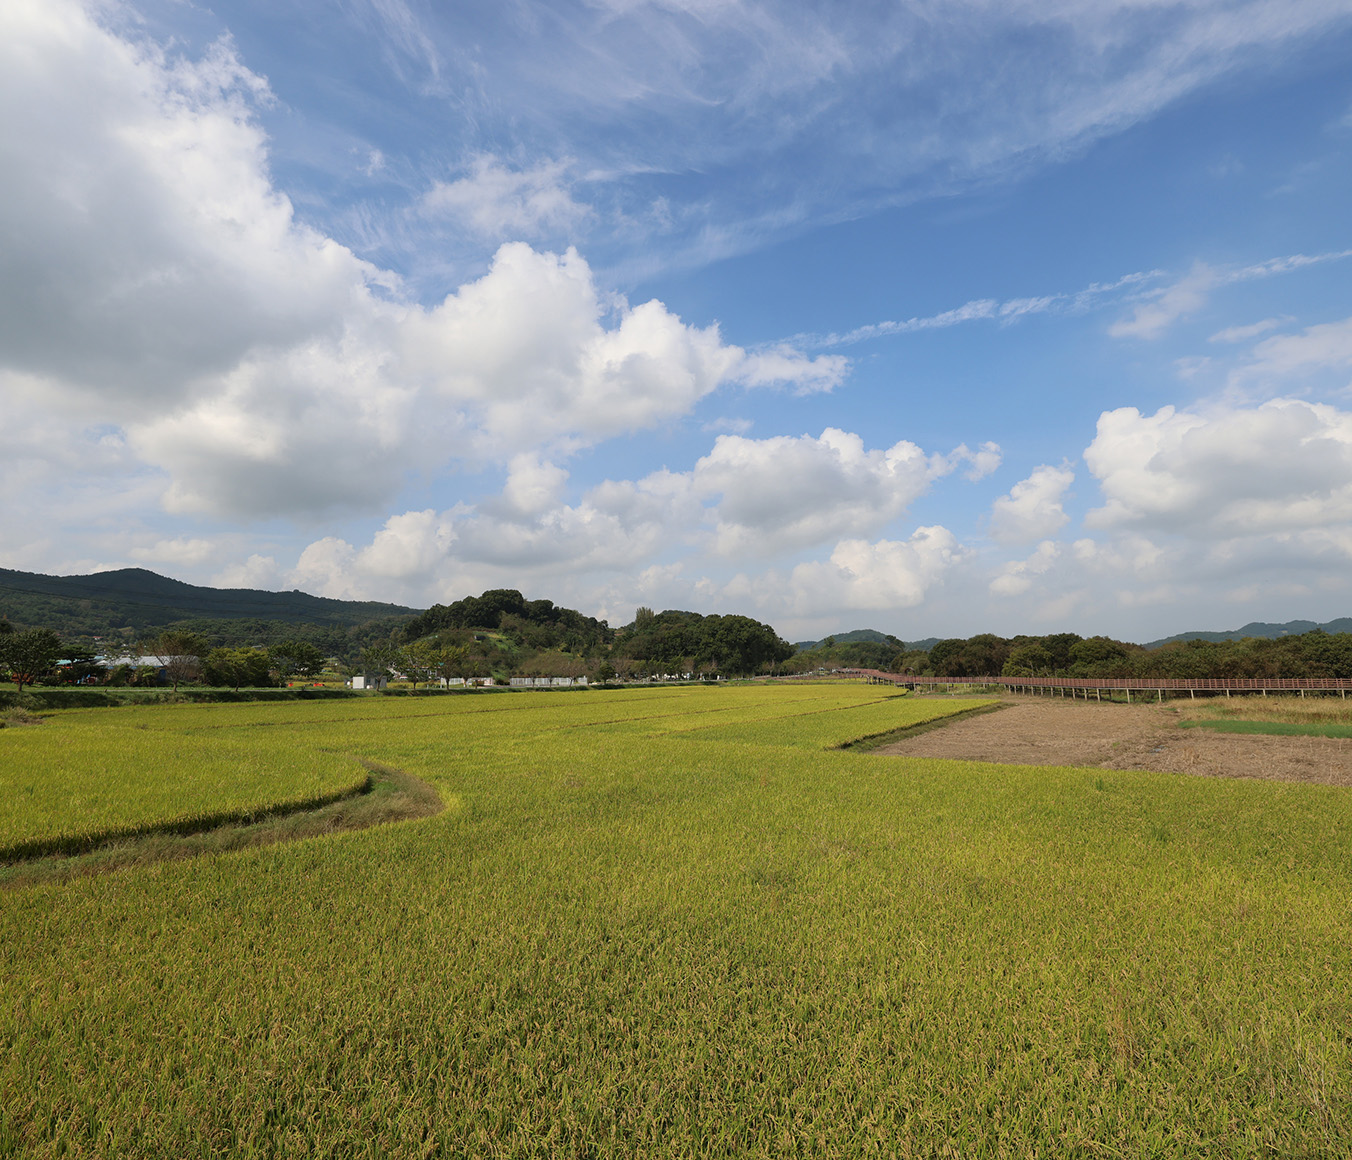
935,317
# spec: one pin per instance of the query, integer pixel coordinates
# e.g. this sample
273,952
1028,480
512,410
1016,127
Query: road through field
1053,731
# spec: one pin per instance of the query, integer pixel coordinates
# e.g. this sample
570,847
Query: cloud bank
198,376
161,288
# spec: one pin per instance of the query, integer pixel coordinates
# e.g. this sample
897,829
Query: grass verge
1312,710
389,795
1274,728
43,697
878,740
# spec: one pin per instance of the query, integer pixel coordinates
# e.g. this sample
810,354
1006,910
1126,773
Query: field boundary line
72,844
717,724
386,795
873,741
1330,729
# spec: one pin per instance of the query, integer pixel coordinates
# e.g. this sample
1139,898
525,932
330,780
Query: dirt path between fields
1052,731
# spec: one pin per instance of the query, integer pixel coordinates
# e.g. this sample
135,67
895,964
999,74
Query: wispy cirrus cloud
983,310
1163,307
1158,306
1251,330
498,202
751,119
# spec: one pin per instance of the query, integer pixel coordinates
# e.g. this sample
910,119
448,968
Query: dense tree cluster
676,641
530,624
855,654
420,662
1065,654
537,637
174,656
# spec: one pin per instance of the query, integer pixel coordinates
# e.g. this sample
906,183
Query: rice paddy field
65,787
672,922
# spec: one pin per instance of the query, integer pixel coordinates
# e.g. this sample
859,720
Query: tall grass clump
1311,710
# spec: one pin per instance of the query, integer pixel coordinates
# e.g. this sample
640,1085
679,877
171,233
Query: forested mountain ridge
1260,629
871,635
108,603
498,631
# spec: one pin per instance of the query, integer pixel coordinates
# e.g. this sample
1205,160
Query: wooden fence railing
1128,685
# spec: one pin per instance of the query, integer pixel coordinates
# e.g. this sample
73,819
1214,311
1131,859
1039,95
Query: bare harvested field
1052,731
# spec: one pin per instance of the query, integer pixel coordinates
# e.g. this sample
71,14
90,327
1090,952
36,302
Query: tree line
38,655
496,634
500,633
1066,654
687,642
534,624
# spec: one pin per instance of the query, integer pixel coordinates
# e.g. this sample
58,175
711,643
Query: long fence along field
676,922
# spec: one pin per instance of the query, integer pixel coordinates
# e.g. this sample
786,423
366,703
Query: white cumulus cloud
881,576
788,492
747,500
1232,471
158,290
1018,576
1033,509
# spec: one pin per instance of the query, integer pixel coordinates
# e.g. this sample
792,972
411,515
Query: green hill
132,598
858,634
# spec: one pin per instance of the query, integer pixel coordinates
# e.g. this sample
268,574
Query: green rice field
66,784
671,923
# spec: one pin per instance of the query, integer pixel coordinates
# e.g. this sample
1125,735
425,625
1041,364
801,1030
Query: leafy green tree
605,673
1097,656
452,660
179,653
423,660
1029,660
238,667
1058,646
380,659
914,661
1328,654
985,654
943,657
30,655
297,658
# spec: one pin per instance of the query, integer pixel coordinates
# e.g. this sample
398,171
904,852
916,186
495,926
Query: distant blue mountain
1258,628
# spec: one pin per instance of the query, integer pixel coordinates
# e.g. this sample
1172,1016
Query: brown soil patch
1053,731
